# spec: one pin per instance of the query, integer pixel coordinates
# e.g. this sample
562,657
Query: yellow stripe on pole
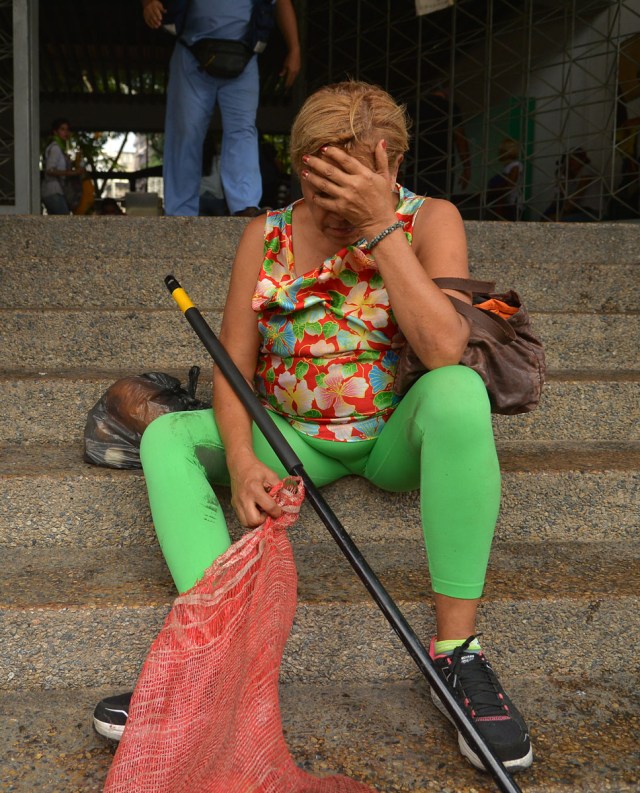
182,299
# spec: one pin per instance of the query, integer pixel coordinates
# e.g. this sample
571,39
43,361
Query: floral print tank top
329,340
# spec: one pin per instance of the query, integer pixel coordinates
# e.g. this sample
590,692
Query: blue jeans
56,204
191,98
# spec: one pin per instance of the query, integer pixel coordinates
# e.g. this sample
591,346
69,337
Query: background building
551,76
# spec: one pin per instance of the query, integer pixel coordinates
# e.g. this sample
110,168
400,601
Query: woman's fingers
342,159
357,191
254,511
266,503
335,165
335,169
251,500
351,165
324,175
324,188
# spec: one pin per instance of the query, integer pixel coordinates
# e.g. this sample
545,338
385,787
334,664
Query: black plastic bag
116,422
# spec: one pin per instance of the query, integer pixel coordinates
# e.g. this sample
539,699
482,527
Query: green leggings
439,439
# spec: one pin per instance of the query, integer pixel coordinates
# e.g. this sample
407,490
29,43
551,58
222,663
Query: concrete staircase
84,588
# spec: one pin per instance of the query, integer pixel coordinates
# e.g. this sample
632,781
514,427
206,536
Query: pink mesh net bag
205,714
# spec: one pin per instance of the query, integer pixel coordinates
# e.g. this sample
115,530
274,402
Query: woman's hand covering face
342,184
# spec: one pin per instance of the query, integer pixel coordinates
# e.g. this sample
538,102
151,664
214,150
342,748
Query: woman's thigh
444,414
440,439
321,468
183,456
188,444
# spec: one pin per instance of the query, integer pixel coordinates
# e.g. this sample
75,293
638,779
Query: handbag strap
465,285
494,325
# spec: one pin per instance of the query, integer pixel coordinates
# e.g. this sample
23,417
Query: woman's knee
451,395
169,435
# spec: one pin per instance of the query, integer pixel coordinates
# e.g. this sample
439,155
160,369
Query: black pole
386,604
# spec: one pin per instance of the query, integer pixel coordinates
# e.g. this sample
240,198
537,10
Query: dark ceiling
103,68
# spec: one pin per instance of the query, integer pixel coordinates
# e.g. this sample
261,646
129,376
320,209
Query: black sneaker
477,690
111,714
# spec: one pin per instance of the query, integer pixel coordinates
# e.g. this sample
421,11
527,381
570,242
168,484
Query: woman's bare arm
288,24
239,334
435,330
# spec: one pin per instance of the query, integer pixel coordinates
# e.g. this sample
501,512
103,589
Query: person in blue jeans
192,96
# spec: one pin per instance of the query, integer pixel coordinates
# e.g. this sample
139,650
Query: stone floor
388,735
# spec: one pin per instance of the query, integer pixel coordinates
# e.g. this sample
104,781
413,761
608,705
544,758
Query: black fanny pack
220,57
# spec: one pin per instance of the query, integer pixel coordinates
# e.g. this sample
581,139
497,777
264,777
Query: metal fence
522,110
7,136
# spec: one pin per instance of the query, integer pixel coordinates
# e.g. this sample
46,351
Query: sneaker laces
477,683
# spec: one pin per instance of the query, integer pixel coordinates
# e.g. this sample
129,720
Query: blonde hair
350,115
509,149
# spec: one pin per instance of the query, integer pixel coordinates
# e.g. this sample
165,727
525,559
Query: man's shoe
477,690
249,212
111,714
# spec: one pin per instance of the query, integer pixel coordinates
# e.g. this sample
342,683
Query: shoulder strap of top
408,206
273,219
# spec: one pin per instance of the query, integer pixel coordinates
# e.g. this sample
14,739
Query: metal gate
548,87
19,139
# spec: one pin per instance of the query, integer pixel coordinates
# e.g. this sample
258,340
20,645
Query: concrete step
140,340
551,492
84,299
100,240
87,262
87,617
51,406
112,283
389,735
158,338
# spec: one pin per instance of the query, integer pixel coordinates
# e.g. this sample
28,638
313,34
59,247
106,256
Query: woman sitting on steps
322,295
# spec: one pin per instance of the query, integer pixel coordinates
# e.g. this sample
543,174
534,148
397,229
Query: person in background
192,95
57,169
87,199
625,201
504,192
439,138
317,327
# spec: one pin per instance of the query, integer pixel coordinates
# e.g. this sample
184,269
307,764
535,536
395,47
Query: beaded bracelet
379,237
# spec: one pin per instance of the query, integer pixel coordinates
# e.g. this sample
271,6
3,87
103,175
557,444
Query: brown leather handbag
504,352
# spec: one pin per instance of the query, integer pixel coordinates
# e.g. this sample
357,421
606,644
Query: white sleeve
55,158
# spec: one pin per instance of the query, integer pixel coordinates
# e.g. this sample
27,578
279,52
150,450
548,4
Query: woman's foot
477,690
111,714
